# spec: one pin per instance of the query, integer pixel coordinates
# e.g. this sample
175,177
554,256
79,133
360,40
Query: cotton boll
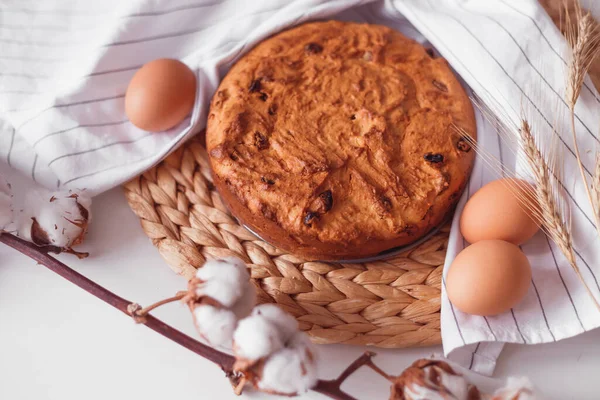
273,353
6,208
215,325
516,389
256,338
285,372
223,292
55,218
291,370
432,380
225,281
285,323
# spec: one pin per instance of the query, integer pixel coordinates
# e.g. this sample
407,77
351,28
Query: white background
58,342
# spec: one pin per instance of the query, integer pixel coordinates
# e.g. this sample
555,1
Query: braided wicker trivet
391,303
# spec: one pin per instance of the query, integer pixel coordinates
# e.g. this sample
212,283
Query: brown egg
488,278
495,212
160,95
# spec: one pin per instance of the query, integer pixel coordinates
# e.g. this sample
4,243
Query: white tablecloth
65,65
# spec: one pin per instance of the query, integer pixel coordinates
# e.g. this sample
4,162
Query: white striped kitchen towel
65,65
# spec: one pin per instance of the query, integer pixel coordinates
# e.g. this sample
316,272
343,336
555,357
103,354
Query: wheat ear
548,197
583,36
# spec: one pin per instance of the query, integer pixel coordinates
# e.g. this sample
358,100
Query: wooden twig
40,254
330,388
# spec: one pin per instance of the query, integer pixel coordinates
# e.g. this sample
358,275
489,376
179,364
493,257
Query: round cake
335,140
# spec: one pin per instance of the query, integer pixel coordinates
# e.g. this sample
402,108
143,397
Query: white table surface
59,342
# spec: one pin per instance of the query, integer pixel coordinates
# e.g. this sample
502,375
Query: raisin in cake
335,140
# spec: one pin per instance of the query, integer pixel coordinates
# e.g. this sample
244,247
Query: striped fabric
65,65
520,62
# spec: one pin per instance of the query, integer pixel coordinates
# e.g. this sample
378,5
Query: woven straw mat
391,303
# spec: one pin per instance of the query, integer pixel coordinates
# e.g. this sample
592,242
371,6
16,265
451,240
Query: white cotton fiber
215,325
291,370
224,280
285,323
255,338
55,218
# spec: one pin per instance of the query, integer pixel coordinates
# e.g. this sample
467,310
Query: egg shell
160,95
488,278
495,212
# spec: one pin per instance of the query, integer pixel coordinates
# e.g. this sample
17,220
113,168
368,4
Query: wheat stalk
583,36
544,201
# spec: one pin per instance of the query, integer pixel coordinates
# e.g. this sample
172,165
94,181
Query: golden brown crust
334,140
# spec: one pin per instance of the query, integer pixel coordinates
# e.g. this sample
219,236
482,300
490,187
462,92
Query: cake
335,140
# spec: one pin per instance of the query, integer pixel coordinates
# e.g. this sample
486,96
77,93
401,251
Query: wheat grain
546,194
583,35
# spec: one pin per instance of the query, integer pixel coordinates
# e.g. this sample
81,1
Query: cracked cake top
334,140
